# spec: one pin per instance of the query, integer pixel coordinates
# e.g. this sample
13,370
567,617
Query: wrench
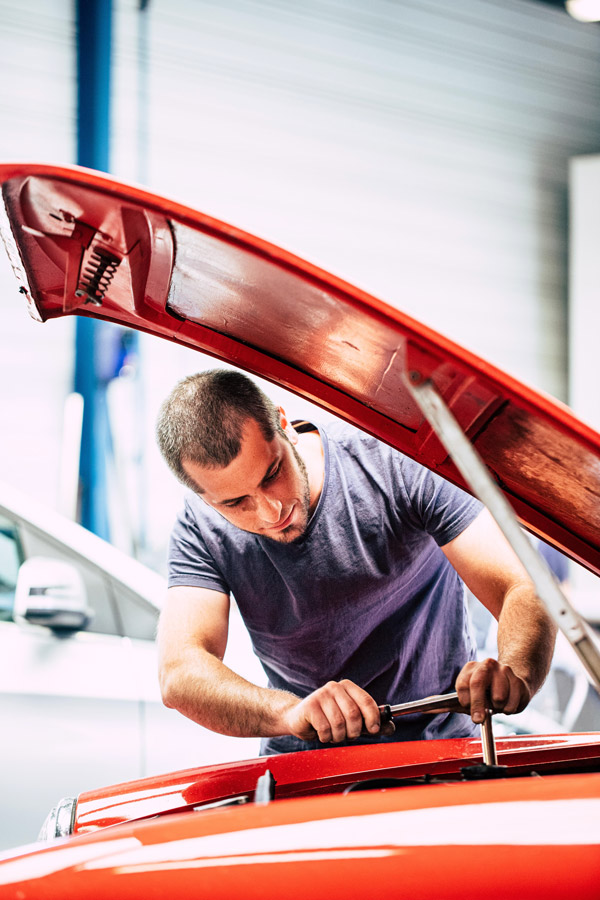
440,703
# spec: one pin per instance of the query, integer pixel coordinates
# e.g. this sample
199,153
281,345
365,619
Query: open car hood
531,835
82,243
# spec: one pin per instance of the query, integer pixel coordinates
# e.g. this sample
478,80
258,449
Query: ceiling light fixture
584,10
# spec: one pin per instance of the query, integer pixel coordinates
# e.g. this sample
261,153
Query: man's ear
287,426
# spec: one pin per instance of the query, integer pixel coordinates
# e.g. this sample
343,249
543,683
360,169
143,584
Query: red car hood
525,837
84,244
329,772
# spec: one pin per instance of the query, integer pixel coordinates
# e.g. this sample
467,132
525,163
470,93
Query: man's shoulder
356,446
368,465
405,478
348,436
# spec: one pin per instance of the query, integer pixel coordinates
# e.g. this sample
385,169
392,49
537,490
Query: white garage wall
37,122
584,307
584,325
419,149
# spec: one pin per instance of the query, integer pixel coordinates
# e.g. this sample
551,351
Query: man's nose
268,508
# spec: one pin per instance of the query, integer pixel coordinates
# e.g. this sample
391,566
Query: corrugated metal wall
419,149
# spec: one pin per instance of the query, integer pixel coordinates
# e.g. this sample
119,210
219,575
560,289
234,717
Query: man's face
265,490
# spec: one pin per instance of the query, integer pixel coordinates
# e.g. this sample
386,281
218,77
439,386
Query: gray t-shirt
365,593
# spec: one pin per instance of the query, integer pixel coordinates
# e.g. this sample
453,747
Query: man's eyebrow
269,472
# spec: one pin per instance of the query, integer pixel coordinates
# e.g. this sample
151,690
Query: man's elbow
169,691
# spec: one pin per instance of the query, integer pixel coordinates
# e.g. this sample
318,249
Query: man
344,558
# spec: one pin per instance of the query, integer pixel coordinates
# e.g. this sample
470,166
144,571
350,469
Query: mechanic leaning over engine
347,562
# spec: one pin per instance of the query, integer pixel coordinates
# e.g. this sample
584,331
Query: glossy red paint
523,837
328,341
327,772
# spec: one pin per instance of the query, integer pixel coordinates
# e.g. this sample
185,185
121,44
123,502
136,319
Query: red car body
534,834
84,244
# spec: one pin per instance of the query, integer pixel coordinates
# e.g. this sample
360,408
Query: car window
97,583
11,557
138,619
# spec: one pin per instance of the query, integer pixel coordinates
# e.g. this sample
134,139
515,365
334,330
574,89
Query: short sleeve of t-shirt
434,504
190,561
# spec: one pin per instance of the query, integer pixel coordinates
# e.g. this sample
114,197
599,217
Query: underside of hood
81,243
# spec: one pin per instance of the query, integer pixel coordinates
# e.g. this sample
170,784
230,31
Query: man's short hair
203,418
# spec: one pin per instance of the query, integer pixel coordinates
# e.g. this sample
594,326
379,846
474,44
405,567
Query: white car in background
79,697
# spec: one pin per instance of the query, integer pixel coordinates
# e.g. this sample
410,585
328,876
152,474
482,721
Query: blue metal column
94,35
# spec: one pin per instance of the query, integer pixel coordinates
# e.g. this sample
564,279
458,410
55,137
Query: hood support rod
472,468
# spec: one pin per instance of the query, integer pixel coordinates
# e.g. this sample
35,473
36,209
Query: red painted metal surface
329,771
523,837
189,278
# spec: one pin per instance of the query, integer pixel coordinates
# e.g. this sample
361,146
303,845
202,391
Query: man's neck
310,448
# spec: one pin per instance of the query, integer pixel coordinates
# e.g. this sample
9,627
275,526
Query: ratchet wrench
441,703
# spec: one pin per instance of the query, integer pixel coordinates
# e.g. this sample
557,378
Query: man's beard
293,533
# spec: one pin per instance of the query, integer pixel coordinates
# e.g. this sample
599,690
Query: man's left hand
491,685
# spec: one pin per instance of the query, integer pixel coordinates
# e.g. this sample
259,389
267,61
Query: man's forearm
526,636
208,692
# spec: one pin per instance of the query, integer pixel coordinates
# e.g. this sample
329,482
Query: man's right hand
192,636
334,712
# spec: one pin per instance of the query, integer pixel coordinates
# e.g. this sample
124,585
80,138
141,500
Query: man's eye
232,504
273,475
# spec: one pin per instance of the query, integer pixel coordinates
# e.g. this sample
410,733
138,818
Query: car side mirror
51,592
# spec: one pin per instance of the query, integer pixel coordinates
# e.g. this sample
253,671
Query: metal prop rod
476,475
